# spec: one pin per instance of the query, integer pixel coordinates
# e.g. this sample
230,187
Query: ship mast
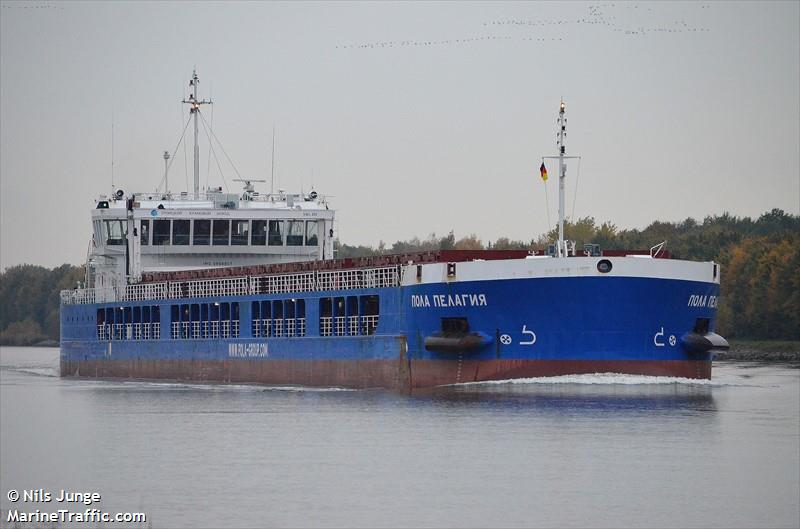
562,173
194,110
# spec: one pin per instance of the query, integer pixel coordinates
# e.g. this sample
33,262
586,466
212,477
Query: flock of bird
596,17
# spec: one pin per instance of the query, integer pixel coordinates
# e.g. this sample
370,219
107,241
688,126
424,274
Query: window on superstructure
180,232
144,236
311,233
240,233
115,233
202,233
294,234
161,230
222,231
258,235
276,233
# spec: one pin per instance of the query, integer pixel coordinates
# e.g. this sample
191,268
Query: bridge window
258,236
180,232
222,230
311,233
115,232
276,233
161,232
202,233
294,235
240,233
145,232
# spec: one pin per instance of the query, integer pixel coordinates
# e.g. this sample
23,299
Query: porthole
604,266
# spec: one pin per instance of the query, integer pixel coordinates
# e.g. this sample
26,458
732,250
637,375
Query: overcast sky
415,117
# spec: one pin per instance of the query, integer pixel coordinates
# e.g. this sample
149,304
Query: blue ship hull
425,334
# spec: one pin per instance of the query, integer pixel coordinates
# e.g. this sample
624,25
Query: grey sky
678,109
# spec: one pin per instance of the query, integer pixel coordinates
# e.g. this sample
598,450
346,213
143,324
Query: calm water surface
600,451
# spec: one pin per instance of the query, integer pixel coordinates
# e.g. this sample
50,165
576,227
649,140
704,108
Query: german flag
543,171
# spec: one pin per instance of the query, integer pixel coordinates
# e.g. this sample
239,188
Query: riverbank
761,351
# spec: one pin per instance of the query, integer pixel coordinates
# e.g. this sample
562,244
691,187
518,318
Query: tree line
760,260
29,302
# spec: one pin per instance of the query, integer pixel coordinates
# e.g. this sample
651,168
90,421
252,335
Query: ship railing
290,327
137,331
204,328
204,288
184,329
340,325
118,330
235,328
321,280
266,327
146,331
225,326
256,328
369,324
101,332
176,330
195,329
156,331
215,329
382,277
301,326
353,325
277,327
282,283
83,296
325,325
144,292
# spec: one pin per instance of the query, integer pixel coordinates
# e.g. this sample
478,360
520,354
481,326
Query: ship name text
448,300
248,350
701,300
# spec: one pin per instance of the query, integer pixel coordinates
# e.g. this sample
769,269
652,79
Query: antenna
166,169
112,148
272,178
248,184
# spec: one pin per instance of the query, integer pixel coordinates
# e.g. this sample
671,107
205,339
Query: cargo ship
246,288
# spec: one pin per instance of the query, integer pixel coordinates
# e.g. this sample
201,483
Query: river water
595,450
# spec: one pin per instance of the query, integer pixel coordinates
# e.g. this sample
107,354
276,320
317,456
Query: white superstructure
135,233
140,232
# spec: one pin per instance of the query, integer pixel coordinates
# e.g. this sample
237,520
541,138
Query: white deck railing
315,281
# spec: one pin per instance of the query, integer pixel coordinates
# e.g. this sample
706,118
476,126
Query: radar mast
195,110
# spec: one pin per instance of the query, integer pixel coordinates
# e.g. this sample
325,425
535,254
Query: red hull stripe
397,374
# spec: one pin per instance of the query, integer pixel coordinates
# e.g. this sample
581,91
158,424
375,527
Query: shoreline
761,351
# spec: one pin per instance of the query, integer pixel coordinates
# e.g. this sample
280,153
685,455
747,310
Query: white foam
601,379
33,370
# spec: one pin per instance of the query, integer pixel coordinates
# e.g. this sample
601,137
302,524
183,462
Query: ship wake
604,379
